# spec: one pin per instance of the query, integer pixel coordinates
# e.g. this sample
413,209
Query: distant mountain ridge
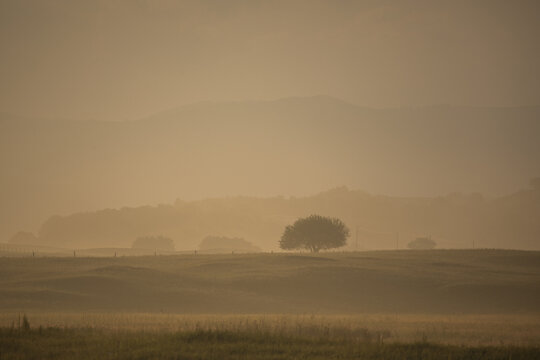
288,146
376,222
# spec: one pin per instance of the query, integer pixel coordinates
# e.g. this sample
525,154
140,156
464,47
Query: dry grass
469,330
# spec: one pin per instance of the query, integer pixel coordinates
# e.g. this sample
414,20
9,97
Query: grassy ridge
439,281
57,343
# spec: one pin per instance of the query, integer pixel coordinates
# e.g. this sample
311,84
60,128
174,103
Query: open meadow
435,282
440,304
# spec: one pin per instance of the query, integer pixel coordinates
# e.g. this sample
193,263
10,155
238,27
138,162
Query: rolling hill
376,222
438,281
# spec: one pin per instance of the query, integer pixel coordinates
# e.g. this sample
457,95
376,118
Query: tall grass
469,330
90,343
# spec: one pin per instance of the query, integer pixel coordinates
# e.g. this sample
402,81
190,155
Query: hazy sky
117,60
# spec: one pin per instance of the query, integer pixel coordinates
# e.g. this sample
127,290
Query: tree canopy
314,233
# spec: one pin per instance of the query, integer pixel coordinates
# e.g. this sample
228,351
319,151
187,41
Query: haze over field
294,146
268,179
134,103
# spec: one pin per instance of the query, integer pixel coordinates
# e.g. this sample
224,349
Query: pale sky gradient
117,60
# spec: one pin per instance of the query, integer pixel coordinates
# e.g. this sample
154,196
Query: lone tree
314,233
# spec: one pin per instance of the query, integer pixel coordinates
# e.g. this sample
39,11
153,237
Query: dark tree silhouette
314,233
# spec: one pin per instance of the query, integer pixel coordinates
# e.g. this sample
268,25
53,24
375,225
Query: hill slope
407,281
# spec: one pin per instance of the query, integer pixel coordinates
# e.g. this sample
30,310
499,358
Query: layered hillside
376,222
292,146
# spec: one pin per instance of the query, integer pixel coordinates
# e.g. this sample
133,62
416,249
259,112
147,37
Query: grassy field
177,336
444,304
439,281
459,330
57,343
